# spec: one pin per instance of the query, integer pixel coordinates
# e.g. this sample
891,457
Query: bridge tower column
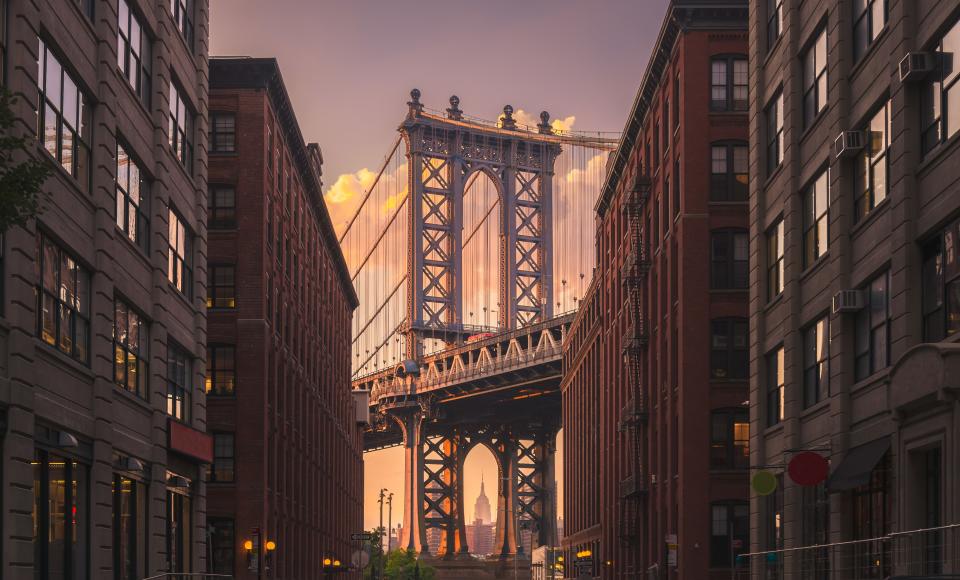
505,542
413,536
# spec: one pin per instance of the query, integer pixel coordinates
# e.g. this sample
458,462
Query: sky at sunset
349,66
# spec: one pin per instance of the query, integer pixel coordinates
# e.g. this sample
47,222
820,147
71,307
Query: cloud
530,121
595,168
565,124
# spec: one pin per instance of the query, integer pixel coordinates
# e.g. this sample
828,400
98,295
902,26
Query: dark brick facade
655,366
281,329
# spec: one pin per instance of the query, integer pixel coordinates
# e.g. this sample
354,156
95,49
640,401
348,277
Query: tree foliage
403,565
20,182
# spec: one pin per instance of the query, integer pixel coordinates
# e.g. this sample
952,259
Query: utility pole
389,519
380,501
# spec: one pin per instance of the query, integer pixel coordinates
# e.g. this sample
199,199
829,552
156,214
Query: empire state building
481,509
480,533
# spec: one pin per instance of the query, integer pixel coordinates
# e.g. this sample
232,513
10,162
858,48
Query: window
728,83
666,121
774,22
872,338
182,12
222,208
221,370
816,362
64,118
129,528
179,377
815,79
222,468
774,122
941,286
929,465
665,206
221,549
221,290
133,51
179,538
814,531
776,387
656,144
773,509
730,439
816,202
130,339
775,268
872,164
869,18
179,255
729,355
872,509
729,532
729,260
729,172
940,96
63,300
180,128
676,97
676,188
60,517
86,7
223,132
132,196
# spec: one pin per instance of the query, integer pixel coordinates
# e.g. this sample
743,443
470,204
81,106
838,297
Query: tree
403,565
374,569
19,182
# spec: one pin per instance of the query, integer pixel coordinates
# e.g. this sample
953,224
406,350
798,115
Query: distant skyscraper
481,509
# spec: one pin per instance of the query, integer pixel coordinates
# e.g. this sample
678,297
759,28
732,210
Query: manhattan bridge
470,250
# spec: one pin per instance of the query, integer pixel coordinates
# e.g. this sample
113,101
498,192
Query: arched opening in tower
480,492
482,208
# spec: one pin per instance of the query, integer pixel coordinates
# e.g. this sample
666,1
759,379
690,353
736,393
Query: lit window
130,340
775,267
872,164
180,260
940,96
774,123
815,79
776,387
869,18
816,202
872,336
221,370
223,132
132,197
129,528
179,375
221,289
180,129
729,172
728,84
61,516
730,439
133,51
63,297
816,362
64,119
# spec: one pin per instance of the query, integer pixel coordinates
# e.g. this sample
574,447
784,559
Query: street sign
361,537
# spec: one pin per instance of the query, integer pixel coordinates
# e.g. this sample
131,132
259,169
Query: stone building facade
855,302
103,327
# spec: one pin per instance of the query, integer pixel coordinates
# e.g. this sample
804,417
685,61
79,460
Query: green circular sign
764,483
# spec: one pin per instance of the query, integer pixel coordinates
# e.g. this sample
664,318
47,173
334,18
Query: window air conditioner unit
848,143
847,301
915,66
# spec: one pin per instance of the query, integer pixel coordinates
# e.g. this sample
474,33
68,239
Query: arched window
728,83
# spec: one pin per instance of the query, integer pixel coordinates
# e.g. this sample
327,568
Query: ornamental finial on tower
416,107
544,125
508,122
454,111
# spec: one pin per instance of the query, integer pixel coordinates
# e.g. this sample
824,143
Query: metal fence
912,555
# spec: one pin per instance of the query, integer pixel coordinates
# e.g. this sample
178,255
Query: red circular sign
808,468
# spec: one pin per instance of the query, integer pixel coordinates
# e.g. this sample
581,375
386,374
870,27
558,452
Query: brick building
288,461
102,329
655,365
855,298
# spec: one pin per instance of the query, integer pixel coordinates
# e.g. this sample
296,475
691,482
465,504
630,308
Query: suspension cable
373,185
380,237
380,308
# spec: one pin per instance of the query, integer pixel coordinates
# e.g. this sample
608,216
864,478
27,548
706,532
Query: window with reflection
729,353
179,522
61,520
729,172
729,260
872,510
179,390
730,439
776,386
815,78
132,198
130,339
729,532
816,203
816,362
940,94
129,528
872,330
940,284
774,126
872,164
179,254
182,13
222,209
222,469
774,22
180,128
774,514
133,51
728,83
775,267
869,18
223,132
222,538
63,300
64,117
221,287
221,369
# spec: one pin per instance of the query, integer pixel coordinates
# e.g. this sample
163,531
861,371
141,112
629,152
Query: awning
857,465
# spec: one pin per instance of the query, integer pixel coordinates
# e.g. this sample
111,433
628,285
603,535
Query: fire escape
633,417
